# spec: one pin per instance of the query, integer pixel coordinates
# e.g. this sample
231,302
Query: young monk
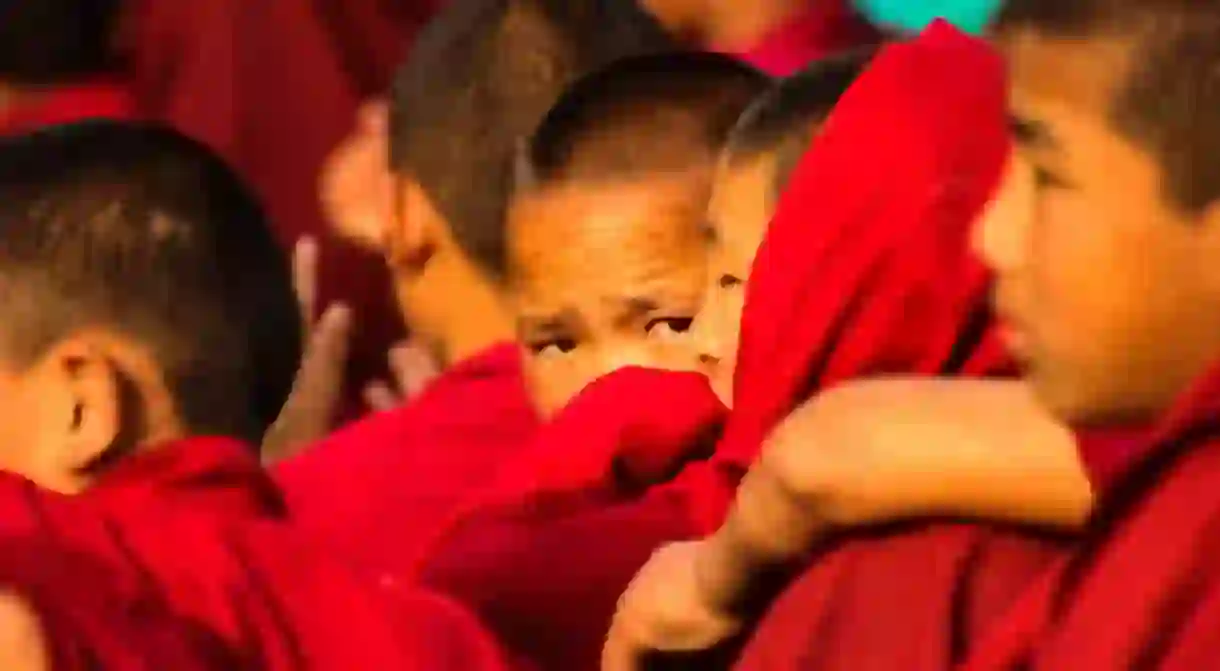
495,557
1114,179
58,64
811,480
377,490
151,336
606,255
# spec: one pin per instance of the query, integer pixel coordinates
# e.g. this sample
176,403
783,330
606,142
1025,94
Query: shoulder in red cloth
199,528
914,100
1143,589
378,489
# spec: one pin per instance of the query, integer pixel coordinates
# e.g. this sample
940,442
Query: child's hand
356,181
22,645
666,608
413,369
310,409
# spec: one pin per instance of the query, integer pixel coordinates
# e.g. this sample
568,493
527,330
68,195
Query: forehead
742,201
1061,77
584,240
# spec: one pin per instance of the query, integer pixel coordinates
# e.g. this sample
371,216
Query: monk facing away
150,338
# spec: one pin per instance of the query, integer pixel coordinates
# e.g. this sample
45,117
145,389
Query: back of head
782,121
1167,99
138,231
51,42
478,80
652,114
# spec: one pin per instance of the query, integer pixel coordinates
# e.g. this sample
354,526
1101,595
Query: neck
454,308
725,26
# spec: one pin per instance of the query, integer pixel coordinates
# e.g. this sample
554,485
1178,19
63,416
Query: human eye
668,327
728,281
552,347
1048,179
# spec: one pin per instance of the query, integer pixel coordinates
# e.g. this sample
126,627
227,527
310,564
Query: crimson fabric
87,627
864,271
87,100
823,28
915,100
273,87
1143,590
198,527
378,489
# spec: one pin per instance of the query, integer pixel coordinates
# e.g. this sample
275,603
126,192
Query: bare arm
892,449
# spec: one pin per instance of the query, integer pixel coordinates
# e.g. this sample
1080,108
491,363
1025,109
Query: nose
999,234
709,345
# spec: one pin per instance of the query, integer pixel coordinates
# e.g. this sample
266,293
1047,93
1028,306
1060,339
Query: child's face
606,275
738,214
1109,291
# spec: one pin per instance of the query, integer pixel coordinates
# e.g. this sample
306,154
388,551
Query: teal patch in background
912,16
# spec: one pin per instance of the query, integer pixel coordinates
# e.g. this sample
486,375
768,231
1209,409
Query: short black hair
658,113
477,81
136,228
783,120
51,42
1167,103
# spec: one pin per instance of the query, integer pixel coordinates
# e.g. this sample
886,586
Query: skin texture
1096,269
606,275
736,223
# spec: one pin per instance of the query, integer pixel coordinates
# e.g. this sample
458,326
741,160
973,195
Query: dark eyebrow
1032,134
558,322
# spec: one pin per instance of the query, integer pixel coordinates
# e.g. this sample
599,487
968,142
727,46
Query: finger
305,276
310,408
379,397
374,116
618,654
413,369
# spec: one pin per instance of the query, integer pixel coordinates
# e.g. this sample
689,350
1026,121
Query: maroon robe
1143,588
379,489
864,271
196,528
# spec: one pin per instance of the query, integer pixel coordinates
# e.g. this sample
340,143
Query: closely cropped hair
659,113
52,42
137,229
477,81
782,121
1168,103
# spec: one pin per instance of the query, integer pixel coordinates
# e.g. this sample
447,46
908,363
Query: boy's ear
86,409
411,238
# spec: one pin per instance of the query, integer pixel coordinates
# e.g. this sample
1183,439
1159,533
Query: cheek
554,381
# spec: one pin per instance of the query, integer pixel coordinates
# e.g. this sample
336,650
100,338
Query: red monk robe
86,626
913,102
198,527
273,87
376,490
1143,590
881,284
87,100
823,28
